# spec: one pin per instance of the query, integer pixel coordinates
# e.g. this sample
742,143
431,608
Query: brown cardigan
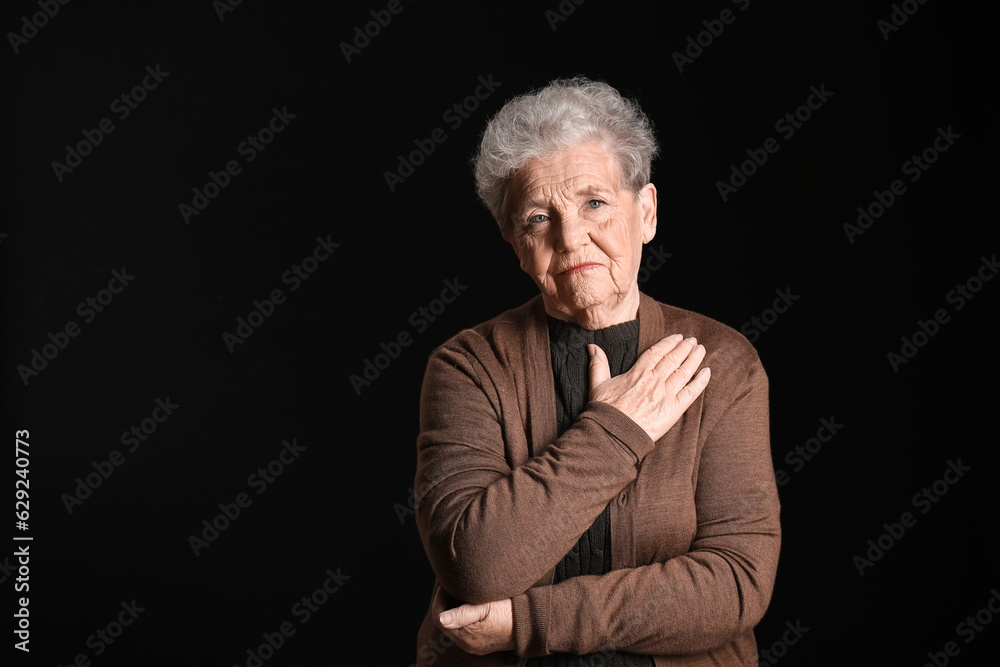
500,500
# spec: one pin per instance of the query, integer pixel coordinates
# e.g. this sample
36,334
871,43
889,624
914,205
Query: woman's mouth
580,268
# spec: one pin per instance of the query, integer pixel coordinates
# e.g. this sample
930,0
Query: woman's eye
595,203
537,218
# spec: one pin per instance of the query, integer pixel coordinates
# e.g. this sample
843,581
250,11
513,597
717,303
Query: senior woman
589,492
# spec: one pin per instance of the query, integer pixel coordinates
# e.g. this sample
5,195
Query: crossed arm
492,531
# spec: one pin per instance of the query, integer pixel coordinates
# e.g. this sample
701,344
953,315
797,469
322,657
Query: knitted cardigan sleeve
694,602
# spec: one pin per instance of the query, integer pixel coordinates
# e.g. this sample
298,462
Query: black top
570,368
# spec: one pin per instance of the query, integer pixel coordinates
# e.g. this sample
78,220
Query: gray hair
564,114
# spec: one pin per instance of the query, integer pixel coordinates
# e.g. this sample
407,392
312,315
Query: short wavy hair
564,114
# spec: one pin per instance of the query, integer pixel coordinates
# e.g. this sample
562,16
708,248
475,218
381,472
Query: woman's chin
590,297
581,301
587,308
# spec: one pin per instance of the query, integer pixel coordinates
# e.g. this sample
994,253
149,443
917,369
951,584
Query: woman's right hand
657,390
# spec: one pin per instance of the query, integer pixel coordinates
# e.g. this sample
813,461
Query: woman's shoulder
726,347
516,329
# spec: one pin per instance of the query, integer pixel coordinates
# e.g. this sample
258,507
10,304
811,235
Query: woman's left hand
476,628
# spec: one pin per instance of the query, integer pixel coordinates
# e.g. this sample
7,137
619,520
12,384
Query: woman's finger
600,371
464,615
678,378
657,351
673,360
693,389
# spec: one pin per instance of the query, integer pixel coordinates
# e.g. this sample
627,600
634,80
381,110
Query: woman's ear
647,203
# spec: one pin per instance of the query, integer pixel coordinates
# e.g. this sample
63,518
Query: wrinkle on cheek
620,265
619,288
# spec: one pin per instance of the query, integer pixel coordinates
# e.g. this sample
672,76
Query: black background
342,503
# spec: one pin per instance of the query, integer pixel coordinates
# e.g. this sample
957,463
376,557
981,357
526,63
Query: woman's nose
571,232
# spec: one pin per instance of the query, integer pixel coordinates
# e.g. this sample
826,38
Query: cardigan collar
538,364
650,328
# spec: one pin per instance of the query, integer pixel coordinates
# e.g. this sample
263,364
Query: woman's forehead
579,171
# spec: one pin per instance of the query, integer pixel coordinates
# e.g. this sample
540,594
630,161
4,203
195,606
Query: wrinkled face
580,236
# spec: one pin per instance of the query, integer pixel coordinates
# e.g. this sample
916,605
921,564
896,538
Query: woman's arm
694,602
